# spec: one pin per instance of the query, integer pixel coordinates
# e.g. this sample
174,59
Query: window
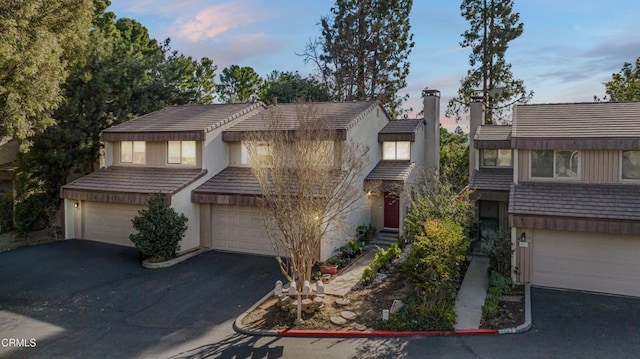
631,165
554,164
262,150
400,150
132,152
496,158
181,152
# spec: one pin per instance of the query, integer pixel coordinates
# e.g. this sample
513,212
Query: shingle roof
493,179
575,120
338,115
579,200
493,133
196,119
402,126
391,171
111,184
232,180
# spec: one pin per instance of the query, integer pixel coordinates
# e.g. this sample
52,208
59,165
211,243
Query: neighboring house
217,190
574,200
8,157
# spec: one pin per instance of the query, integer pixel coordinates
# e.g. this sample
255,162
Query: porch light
523,237
76,205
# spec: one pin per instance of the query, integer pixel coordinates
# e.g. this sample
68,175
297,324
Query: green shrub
160,230
411,317
497,247
382,260
31,213
500,281
433,267
6,213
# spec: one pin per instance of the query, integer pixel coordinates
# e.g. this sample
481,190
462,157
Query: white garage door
586,261
239,229
109,222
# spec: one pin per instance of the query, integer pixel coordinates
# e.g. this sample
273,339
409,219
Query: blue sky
568,48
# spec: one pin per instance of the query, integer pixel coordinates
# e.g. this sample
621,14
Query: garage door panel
586,261
109,222
239,229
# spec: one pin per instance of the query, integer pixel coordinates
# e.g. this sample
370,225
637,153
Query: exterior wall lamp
76,205
523,237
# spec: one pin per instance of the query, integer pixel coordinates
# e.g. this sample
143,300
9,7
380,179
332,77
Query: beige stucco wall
595,166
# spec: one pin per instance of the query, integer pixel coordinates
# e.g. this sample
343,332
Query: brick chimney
432,130
476,119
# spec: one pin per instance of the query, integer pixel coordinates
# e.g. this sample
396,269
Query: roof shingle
391,171
493,179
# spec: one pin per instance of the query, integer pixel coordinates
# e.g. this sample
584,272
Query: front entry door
391,211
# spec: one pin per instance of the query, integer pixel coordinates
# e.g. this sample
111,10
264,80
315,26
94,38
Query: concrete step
384,239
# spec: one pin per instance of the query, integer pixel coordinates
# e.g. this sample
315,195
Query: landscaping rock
348,315
338,320
341,302
360,327
318,301
379,279
395,306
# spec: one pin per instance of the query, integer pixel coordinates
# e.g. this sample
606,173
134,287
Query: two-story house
574,206
197,156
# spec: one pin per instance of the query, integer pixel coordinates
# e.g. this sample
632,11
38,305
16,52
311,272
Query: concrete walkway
342,284
472,294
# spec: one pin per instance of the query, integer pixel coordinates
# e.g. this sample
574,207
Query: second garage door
239,229
586,261
109,222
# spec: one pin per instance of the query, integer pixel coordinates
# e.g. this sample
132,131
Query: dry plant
310,182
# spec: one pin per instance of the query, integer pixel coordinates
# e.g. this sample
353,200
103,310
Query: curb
180,258
317,333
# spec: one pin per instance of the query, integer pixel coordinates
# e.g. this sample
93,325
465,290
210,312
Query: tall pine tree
494,25
363,51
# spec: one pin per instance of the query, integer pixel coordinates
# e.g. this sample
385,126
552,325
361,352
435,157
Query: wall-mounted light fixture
76,205
523,237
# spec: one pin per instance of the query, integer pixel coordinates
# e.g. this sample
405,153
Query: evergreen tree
363,51
494,25
238,84
38,44
289,87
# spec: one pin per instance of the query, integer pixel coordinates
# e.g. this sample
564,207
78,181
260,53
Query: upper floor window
181,152
554,164
132,152
262,152
631,165
396,150
496,158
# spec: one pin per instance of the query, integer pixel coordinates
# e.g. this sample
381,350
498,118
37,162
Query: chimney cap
434,92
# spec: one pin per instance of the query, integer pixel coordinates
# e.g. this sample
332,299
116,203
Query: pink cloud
215,20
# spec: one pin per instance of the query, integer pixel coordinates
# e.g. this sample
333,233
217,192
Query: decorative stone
338,320
361,327
306,302
396,305
318,301
348,315
341,302
284,300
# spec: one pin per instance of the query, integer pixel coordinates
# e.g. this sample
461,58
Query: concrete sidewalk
472,294
342,284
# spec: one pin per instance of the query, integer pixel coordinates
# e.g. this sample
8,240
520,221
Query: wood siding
596,166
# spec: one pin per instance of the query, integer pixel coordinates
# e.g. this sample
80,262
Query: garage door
109,222
239,229
586,261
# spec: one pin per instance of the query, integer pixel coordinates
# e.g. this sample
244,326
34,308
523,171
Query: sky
568,49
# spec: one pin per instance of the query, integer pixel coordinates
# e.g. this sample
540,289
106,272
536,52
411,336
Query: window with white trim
631,165
262,150
181,152
496,158
554,163
132,152
396,150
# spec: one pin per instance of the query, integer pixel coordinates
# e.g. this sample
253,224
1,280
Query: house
574,200
195,154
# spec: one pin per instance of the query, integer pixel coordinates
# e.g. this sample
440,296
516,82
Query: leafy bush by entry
433,267
160,230
497,247
382,260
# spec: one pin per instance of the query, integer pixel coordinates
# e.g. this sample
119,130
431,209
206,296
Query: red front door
391,211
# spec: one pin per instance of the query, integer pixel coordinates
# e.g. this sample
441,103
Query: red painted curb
476,331
354,333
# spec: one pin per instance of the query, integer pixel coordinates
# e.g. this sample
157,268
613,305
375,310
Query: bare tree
310,183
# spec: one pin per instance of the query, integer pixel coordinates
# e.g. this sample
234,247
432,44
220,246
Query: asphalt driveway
87,299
